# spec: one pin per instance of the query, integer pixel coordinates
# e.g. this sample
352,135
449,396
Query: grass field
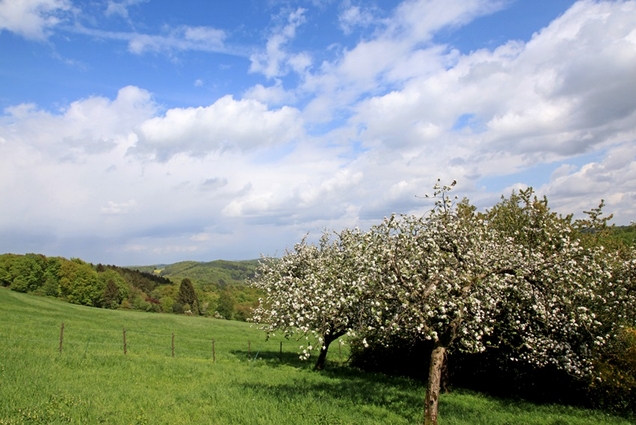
93,382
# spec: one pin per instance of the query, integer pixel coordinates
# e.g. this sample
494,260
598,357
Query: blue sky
147,131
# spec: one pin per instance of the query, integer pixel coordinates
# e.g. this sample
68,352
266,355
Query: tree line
113,287
545,289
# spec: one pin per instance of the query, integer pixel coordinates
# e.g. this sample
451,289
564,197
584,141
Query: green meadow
249,380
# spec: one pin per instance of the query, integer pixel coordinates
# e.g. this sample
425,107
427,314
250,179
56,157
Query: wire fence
127,341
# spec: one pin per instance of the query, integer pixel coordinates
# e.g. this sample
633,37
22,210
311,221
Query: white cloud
271,95
397,53
178,39
114,208
32,19
566,92
120,8
85,126
200,237
355,16
613,178
305,197
170,41
227,124
417,20
276,61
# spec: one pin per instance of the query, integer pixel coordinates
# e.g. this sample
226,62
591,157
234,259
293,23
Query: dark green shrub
187,295
614,386
225,305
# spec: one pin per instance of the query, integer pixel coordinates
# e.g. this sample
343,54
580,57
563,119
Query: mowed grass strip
93,382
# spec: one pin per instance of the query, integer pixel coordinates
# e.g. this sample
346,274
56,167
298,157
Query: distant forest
217,288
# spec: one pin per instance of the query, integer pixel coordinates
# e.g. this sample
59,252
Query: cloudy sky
155,131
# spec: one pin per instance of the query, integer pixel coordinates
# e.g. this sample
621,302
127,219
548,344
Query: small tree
115,288
187,295
27,272
316,292
79,283
225,305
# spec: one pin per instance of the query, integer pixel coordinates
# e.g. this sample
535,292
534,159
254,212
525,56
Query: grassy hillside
220,272
92,381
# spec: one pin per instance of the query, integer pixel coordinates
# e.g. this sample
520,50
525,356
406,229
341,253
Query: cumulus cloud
32,19
612,178
400,51
566,92
227,124
85,126
300,198
271,95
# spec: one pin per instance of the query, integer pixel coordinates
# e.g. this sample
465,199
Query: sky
138,132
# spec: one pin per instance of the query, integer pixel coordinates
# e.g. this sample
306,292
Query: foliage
51,286
225,305
79,282
627,234
27,272
219,273
188,296
615,378
211,281
115,288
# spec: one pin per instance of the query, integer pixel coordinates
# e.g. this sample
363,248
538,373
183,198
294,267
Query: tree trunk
322,357
432,391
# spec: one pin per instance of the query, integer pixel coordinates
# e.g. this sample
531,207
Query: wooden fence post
281,351
61,337
172,344
213,353
249,349
125,348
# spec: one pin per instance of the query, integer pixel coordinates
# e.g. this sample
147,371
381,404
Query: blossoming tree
314,292
443,278
517,275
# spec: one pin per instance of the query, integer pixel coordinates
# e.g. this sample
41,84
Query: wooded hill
219,273
218,288
220,283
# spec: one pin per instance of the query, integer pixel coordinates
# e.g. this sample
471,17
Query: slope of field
81,375
219,272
